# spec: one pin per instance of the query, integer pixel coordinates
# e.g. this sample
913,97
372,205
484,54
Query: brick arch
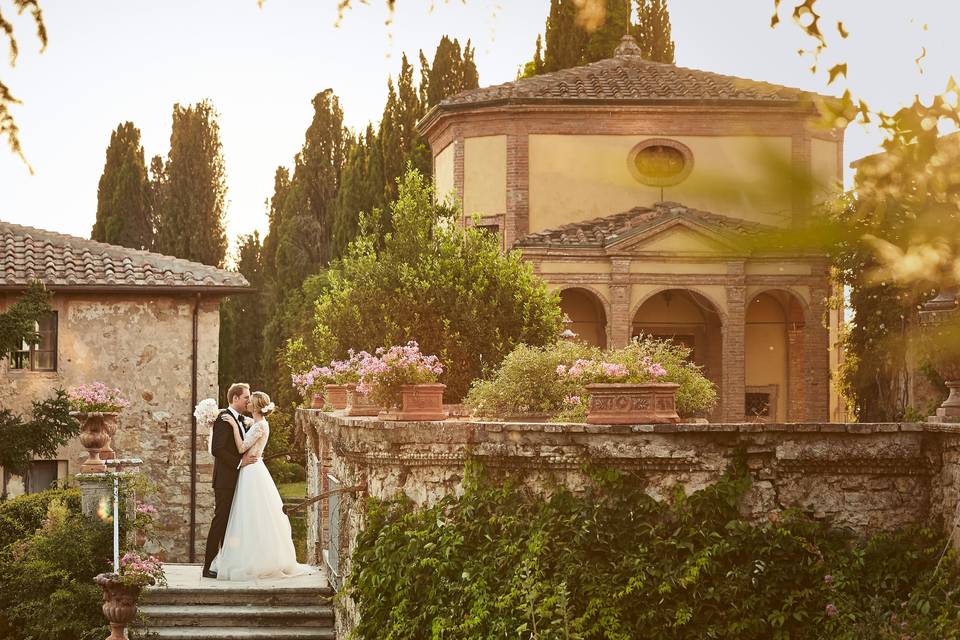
598,335
793,293
716,307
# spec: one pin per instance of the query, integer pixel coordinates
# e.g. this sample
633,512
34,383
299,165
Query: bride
258,542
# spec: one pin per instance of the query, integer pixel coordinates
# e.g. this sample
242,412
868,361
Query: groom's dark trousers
226,460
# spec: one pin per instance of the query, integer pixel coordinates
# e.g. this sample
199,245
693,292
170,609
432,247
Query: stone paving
187,576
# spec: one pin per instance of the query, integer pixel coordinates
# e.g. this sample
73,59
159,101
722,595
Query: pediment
676,236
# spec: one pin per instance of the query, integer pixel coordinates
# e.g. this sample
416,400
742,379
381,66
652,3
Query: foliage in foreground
613,563
46,577
49,427
528,381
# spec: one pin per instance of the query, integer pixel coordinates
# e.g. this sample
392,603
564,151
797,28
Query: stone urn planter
337,395
419,402
359,404
940,321
623,403
96,431
119,603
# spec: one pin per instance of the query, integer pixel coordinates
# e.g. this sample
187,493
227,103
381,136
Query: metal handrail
317,498
280,455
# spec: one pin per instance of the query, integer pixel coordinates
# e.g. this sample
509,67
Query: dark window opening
758,405
41,356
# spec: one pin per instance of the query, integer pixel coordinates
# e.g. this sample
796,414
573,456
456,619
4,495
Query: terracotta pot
359,404
317,401
337,395
119,603
419,402
96,430
620,403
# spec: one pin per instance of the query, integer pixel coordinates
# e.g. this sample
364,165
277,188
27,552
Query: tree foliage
449,288
190,198
18,322
611,562
124,212
241,321
8,126
50,427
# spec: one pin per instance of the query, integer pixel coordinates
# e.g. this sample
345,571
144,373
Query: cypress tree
123,196
564,39
242,320
452,71
535,66
652,31
190,223
602,42
361,190
398,133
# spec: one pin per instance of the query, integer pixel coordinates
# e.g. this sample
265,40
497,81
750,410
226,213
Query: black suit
226,462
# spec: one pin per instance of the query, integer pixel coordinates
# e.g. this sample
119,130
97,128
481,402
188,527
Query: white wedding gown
258,543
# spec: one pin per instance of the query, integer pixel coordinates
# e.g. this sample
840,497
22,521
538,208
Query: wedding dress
258,542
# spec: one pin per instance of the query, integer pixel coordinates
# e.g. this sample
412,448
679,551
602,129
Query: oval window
660,162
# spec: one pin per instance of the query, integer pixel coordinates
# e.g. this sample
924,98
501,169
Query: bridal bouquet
96,397
206,412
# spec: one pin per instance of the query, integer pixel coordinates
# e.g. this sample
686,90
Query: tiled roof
602,232
28,254
628,77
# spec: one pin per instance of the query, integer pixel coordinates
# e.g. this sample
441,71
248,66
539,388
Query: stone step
236,615
238,633
292,596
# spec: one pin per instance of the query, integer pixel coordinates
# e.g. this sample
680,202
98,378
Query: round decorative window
659,162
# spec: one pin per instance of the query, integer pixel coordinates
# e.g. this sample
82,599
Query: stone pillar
795,374
95,488
619,323
734,347
816,356
517,218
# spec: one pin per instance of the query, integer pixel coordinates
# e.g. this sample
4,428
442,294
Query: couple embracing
250,535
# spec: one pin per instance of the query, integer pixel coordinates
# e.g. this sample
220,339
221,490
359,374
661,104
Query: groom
226,467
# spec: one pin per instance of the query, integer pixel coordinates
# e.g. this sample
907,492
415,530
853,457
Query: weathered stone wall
866,476
141,344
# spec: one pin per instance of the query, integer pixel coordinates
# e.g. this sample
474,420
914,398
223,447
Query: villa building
630,185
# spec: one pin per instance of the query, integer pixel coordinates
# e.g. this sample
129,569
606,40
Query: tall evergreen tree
452,71
242,320
535,66
398,131
190,223
652,31
123,196
361,190
602,42
564,38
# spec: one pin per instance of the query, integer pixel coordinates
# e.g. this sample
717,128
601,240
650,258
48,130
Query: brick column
619,323
734,347
458,153
817,357
796,375
517,218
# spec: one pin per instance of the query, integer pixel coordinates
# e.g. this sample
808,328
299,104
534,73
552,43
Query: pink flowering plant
96,397
337,372
140,570
382,375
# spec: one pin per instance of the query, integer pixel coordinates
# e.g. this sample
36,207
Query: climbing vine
611,562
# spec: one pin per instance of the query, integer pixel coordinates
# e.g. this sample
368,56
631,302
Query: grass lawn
293,490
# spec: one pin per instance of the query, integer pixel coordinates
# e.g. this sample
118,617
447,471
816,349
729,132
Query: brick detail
817,356
517,223
796,375
619,324
458,153
734,376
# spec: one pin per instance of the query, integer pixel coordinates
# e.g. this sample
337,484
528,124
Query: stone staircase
294,609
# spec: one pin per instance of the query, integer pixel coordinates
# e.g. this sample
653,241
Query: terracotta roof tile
60,260
601,232
627,76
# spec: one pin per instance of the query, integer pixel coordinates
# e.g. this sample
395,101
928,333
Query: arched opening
585,310
773,357
690,319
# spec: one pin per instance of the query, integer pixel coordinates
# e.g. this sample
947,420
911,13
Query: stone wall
141,344
866,476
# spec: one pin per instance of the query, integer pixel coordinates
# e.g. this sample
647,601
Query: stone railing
865,476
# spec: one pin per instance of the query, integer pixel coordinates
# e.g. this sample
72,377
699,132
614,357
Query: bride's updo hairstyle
261,402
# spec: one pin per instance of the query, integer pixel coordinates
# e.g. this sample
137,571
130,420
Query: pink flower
656,370
572,400
614,370
561,370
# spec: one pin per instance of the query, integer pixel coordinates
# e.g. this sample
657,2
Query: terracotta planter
337,395
96,432
618,403
359,404
317,402
119,603
419,402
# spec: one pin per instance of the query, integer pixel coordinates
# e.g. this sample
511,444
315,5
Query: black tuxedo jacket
226,456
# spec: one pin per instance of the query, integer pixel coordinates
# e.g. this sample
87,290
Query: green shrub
46,579
284,471
451,289
20,517
612,563
529,382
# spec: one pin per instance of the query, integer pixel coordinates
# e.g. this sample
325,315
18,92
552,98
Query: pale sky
115,60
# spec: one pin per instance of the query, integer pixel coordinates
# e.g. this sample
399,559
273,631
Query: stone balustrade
868,477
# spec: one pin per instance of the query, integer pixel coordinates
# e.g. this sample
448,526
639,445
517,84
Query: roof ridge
125,252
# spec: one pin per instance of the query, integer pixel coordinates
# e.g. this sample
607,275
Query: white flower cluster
206,412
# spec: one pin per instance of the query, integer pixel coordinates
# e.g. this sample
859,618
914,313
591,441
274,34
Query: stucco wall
578,177
143,346
766,349
825,165
485,175
443,174
869,477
